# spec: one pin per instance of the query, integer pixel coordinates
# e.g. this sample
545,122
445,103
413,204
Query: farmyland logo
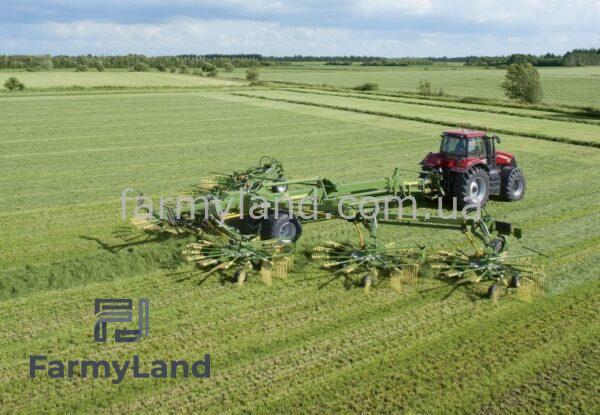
120,310
110,311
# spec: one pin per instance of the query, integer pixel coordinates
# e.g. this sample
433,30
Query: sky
390,28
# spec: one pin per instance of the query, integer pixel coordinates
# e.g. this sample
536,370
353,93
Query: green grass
570,86
292,347
564,131
93,78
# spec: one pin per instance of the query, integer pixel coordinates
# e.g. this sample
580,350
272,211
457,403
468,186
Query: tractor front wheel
472,187
513,184
284,227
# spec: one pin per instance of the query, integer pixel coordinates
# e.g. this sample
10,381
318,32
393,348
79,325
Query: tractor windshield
453,146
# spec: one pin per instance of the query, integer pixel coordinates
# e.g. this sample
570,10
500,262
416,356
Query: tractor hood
503,158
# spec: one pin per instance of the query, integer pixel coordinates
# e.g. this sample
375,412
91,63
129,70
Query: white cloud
361,27
382,7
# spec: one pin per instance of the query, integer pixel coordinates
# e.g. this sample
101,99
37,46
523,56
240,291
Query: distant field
93,78
493,122
571,86
292,347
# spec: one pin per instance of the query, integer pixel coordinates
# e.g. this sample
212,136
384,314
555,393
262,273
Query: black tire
239,276
498,245
249,226
366,281
493,291
284,227
515,281
512,184
472,187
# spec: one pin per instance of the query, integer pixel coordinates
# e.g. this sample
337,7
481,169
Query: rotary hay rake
228,243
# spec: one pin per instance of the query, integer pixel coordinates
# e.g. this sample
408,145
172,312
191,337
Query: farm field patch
564,86
92,78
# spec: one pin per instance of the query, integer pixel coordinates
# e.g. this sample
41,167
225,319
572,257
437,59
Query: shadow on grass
131,239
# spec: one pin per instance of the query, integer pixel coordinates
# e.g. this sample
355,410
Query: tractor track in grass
545,137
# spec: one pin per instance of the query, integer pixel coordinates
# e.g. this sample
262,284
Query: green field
92,78
292,347
566,86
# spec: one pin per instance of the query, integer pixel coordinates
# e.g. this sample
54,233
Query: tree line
576,57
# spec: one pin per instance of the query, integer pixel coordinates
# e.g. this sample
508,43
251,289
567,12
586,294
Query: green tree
252,74
81,68
99,66
140,67
211,70
522,83
13,84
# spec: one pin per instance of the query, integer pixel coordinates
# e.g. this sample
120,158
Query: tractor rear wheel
513,184
472,187
284,227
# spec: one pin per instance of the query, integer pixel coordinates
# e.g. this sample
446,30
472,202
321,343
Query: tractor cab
472,169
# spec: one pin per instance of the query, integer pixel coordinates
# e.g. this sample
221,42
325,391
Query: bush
184,69
424,87
81,68
228,67
172,69
13,84
212,72
367,86
252,74
99,67
161,68
198,72
522,83
140,67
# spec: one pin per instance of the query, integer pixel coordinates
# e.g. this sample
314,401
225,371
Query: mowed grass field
562,86
295,346
111,78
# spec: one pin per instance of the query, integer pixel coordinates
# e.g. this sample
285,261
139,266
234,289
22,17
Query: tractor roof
466,133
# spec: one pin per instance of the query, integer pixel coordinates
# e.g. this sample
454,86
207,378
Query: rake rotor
505,271
371,262
236,256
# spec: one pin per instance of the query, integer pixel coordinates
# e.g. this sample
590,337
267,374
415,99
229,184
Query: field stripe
425,120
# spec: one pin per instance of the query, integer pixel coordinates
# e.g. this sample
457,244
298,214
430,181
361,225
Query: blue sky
336,27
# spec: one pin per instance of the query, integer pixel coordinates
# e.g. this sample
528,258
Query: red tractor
472,169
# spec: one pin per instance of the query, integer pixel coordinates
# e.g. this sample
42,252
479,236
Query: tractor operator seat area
453,146
476,148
